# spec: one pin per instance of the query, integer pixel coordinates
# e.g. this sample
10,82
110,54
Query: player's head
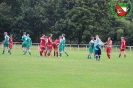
43,35
50,35
92,38
5,33
109,38
122,38
28,35
24,33
63,35
46,36
97,36
60,37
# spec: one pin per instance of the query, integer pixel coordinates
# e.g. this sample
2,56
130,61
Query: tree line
78,19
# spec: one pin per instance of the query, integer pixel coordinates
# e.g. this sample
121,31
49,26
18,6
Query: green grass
75,71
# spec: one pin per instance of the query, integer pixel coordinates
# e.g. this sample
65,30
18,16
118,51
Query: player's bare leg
120,54
45,54
124,54
108,54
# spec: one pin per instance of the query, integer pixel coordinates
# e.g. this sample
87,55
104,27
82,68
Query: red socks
40,53
108,56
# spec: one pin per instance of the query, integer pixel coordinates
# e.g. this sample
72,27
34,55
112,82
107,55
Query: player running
109,47
64,41
43,45
91,47
123,47
24,39
10,43
5,42
60,46
56,43
50,44
28,44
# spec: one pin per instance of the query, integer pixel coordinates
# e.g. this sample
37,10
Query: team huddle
47,44
96,44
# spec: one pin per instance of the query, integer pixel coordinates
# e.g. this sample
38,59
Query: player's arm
3,41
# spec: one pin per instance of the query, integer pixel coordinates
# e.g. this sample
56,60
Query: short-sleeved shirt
28,40
49,41
10,40
61,42
24,38
123,44
97,45
64,40
6,39
56,41
42,42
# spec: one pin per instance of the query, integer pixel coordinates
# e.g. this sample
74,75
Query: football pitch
75,71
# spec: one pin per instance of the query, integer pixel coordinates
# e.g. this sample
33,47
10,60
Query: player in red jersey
10,43
123,47
56,43
43,45
109,47
50,44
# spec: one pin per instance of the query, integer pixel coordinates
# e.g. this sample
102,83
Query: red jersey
123,44
49,41
10,40
42,42
56,41
108,41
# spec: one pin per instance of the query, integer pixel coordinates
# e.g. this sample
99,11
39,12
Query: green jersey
28,40
24,38
64,40
6,39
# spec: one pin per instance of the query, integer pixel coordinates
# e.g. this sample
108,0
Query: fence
79,47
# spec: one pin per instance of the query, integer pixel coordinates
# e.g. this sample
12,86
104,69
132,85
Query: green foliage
78,19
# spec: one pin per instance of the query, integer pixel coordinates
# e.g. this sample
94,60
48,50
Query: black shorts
98,52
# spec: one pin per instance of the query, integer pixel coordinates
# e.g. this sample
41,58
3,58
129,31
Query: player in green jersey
28,44
5,42
91,48
60,45
24,39
64,41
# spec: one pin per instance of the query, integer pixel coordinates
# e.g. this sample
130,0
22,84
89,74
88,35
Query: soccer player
109,46
43,45
60,46
123,47
97,46
50,44
28,44
5,42
64,41
56,42
10,43
24,39
91,47
46,37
